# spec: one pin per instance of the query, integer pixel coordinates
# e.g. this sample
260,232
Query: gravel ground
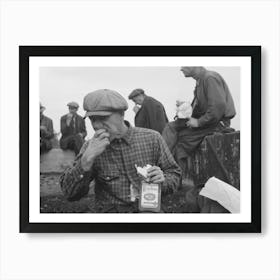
52,200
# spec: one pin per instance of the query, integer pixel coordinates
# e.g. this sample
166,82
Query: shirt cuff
78,172
165,185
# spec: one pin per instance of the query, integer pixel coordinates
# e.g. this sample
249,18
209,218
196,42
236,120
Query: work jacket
212,101
151,115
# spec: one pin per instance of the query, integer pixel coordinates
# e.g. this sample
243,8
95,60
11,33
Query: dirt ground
52,200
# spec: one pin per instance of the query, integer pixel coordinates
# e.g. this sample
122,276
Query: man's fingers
106,141
157,179
152,168
99,132
103,136
154,173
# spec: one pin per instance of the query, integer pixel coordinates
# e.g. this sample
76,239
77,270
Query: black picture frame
254,52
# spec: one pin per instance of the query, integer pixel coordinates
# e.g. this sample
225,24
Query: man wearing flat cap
46,131
151,114
212,110
73,129
110,157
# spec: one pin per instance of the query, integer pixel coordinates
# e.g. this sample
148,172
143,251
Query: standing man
111,155
46,131
73,129
151,114
213,108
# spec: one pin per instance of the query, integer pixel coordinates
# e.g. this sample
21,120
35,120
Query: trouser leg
170,135
45,145
78,143
73,142
182,162
42,146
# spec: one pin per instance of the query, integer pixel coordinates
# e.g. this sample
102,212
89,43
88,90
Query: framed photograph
140,139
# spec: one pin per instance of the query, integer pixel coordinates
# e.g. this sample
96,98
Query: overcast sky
60,85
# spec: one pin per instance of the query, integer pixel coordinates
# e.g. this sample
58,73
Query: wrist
199,122
87,162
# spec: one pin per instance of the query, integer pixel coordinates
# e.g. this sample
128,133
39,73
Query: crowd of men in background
72,128
149,113
212,110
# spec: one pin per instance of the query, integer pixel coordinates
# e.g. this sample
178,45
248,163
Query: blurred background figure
73,129
46,131
151,114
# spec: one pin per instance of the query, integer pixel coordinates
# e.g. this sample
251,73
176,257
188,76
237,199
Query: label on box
150,197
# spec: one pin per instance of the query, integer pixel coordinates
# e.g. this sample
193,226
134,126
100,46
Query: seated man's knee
171,125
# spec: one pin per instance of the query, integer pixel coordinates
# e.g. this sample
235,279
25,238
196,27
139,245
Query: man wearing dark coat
73,129
151,114
213,108
46,131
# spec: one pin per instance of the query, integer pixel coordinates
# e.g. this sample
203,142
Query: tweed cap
73,104
136,92
103,102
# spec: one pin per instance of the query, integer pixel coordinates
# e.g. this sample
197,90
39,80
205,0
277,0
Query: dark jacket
46,135
212,100
47,122
151,115
79,127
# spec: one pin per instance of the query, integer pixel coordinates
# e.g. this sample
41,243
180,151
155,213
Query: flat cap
136,92
73,104
103,102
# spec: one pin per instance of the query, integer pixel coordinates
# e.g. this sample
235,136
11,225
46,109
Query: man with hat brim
151,114
73,129
110,157
46,131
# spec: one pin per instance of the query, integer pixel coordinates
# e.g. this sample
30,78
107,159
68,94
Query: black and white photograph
153,139
139,140
176,141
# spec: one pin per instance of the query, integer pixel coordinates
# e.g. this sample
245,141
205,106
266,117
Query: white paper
184,110
143,171
225,194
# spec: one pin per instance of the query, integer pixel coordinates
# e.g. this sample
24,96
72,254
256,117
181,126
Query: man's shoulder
64,117
212,75
47,119
153,101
